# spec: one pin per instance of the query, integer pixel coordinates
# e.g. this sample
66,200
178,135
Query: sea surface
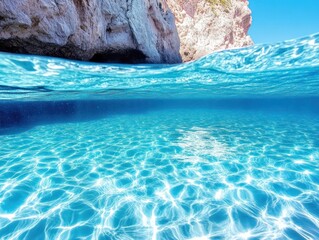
225,147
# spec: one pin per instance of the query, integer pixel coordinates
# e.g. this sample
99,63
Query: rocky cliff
98,30
205,26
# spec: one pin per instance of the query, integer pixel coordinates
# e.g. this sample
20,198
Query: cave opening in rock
120,56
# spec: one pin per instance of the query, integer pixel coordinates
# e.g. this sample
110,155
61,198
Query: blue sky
278,20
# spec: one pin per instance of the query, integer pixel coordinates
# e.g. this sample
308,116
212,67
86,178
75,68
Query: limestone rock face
98,30
204,27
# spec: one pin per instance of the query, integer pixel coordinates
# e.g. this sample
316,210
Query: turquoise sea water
226,147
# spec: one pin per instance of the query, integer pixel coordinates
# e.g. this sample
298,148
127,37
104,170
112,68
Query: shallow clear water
226,147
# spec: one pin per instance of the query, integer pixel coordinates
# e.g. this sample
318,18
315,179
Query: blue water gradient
226,147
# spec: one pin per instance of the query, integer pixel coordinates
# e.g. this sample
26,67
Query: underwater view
224,147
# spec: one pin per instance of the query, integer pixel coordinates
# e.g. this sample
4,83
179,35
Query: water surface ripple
289,68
